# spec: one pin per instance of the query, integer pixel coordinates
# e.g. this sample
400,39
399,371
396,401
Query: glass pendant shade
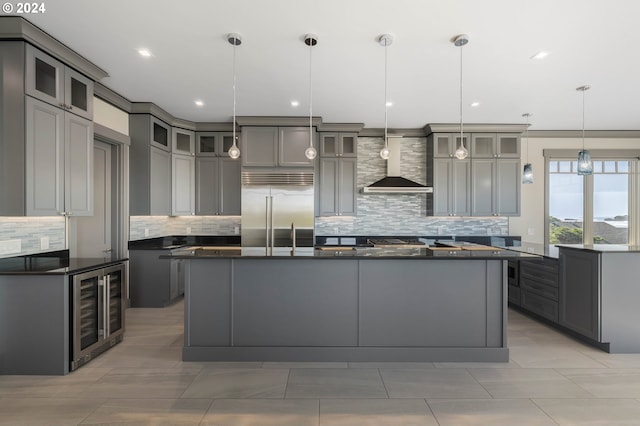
462,152
384,153
310,153
585,166
527,173
234,152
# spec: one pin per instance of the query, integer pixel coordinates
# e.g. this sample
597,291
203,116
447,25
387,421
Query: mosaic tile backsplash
160,226
400,214
31,231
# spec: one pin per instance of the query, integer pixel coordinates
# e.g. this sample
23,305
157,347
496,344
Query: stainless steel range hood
393,183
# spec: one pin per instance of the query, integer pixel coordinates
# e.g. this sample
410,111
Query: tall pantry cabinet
46,136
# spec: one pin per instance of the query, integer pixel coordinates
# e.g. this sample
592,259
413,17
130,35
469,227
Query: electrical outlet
146,232
236,230
188,230
531,231
10,246
44,243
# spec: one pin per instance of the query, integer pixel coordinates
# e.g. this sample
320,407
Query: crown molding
277,121
103,92
474,127
605,134
405,133
341,127
18,28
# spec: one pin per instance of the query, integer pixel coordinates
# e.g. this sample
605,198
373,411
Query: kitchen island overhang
401,305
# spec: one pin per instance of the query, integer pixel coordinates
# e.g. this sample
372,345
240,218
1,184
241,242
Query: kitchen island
364,304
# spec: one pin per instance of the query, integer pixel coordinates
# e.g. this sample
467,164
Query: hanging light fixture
527,170
461,152
235,40
311,153
585,166
385,40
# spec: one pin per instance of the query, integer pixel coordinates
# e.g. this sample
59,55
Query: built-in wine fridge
98,302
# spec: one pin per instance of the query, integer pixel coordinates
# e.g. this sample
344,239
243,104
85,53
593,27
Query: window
600,208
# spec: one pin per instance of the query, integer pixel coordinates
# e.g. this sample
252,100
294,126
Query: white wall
110,116
530,224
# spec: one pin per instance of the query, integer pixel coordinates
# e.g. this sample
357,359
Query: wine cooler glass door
87,312
115,280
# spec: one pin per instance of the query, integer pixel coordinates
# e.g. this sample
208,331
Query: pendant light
527,170
235,40
311,153
461,152
585,166
385,40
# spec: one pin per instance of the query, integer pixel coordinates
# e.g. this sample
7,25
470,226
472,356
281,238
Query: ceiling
589,42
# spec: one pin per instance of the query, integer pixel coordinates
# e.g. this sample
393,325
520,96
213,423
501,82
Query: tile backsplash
142,227
33,233
400,214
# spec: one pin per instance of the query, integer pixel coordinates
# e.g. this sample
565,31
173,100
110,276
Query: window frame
633,156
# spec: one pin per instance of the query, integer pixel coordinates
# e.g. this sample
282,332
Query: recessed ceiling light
199,103
295,103
389,103
475,104
145,53
540,55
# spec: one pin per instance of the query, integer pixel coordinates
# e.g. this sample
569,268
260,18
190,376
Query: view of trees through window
610,202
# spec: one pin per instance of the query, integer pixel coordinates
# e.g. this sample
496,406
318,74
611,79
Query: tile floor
550,380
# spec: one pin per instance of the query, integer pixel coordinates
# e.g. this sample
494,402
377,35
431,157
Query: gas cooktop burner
395,242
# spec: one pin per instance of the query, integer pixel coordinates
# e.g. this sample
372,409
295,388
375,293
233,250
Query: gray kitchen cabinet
215,144
495,145
183,185
154,282
338,144
579,292
445,144
451,185
539,286
338,186
275,146
59,161
495,187
218,186
53,82
150,174
184,141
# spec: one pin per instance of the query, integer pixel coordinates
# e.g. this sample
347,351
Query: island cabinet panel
439,304
208,319
306,303
579,298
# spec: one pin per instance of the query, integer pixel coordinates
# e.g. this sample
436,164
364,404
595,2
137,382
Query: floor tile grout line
383,383
286,385
542,409
433,414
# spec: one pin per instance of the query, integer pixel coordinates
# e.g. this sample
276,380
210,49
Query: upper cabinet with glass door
184,142
214,144
339,145
492,145
51,81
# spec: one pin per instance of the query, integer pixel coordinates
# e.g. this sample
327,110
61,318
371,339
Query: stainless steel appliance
97,305
277,209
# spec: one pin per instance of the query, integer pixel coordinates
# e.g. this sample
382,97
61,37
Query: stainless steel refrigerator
277,209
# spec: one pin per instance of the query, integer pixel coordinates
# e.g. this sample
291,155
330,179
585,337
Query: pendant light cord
385,93
234,93
527,134
583,118
310,94
461,109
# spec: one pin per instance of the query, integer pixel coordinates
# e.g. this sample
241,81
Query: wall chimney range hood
393,183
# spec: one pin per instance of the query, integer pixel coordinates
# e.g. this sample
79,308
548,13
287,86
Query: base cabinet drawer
539,288
540,305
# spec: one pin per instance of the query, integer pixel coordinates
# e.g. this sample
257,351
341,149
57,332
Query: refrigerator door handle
266,220
293,236
271,226
101,312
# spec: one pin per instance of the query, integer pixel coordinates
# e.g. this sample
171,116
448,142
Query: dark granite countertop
602,248
544,250
177,241
54,263
354,253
